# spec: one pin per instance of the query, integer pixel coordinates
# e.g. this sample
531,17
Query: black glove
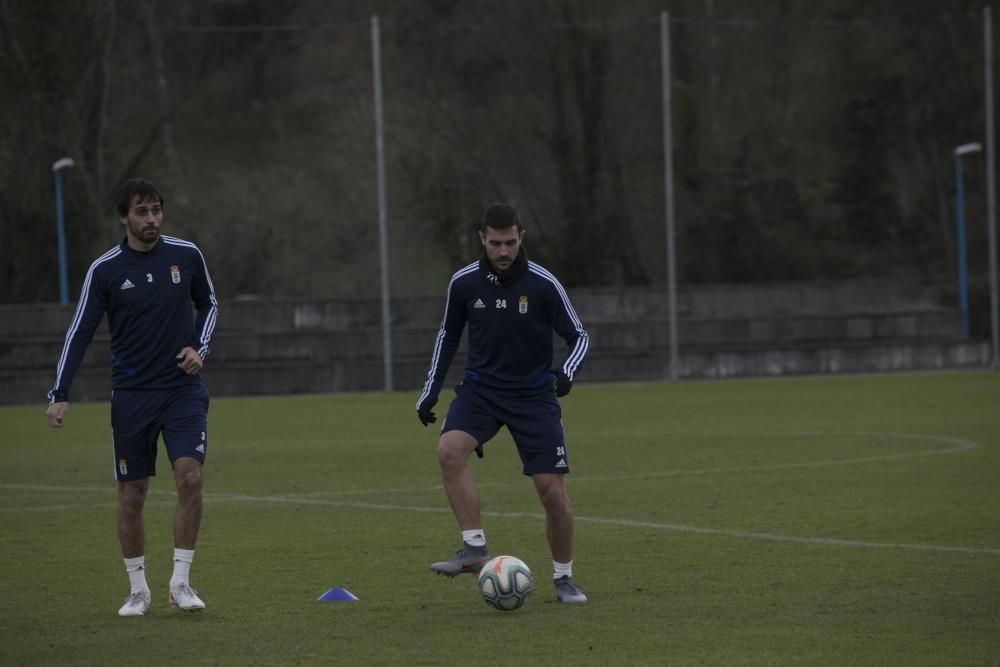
424,413
563,383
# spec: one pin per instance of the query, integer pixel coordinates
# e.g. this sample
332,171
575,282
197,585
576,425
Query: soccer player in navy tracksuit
511,306
147,285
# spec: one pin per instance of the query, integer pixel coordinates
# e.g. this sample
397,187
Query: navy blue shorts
139,416
535,423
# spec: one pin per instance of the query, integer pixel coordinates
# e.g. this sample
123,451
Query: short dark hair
501,216
129,189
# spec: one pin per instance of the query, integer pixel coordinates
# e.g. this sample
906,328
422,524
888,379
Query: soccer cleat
567,592
185,598
136,604
468,560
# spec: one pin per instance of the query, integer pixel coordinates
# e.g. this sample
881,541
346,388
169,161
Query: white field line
627,523
89,507
955,445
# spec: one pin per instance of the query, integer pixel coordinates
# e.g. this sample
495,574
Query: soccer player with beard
511,306
146,285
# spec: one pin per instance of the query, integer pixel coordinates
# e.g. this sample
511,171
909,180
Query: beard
146,233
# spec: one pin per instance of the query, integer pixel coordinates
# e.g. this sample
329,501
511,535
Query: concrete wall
294,346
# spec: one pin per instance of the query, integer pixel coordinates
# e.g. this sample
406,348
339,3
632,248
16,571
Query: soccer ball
505,582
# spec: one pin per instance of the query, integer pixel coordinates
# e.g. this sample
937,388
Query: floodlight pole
668,191
963,276
990,186
383,243
58,166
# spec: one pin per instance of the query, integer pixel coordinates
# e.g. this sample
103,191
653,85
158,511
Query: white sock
136,569
182,566
562,569
475,537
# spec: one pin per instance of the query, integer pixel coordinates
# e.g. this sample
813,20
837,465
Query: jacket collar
516,270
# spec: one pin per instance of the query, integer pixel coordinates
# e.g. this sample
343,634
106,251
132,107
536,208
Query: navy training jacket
148,298
510,329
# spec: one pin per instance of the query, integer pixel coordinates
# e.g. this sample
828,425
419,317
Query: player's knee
131,496
554,500
449,455
453,451
557,505
188,480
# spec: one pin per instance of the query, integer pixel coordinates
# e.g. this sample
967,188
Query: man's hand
424,413
189,361
55,413
563,383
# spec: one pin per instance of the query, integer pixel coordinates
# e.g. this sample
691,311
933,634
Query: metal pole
963,284
58,166
990,186
61,243
383,244
668,190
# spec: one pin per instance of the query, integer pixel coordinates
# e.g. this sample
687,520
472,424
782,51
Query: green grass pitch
820,521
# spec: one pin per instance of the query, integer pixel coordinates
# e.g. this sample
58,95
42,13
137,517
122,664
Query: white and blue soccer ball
505,582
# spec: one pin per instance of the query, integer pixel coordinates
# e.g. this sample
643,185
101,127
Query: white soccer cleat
136,604
567,592
185,598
